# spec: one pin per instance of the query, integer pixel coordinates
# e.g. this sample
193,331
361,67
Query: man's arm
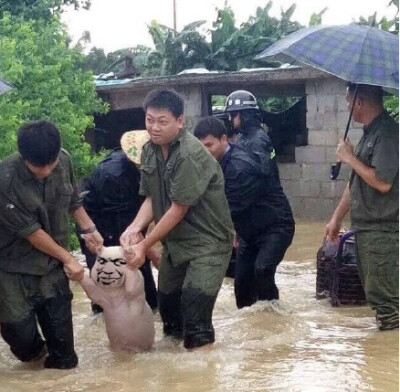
43,242
332,229
95,293
345,154
136,254
93,239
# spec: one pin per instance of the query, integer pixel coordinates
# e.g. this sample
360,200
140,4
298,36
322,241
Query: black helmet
240,100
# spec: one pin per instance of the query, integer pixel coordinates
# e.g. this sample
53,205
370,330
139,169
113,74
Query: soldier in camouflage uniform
184,190
372,197
37,191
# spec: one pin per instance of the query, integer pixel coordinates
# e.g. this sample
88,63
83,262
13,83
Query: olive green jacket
379,149
28,204
190,176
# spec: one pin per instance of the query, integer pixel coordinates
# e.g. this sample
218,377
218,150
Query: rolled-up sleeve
16,220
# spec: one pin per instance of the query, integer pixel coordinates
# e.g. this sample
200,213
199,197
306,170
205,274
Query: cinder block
354,135
331,154
317,172
319,209
310,154
343,118
289,171
341,103
301,188
297,205
322,137
290,187
333,189
327,103
330,120
332,86
314,120
190,122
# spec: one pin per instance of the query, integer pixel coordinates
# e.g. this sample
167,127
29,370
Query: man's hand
332,230
236,240
93,241
73,269
345,151
130,237
135,255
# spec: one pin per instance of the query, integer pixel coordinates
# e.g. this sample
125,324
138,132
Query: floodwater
310,347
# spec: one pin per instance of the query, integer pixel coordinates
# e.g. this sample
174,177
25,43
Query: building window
284,118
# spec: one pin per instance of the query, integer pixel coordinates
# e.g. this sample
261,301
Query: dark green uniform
196,252
375,218
33,284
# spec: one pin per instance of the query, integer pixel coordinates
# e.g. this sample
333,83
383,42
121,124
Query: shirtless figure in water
120,292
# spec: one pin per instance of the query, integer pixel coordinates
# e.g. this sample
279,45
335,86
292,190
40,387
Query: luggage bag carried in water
337,273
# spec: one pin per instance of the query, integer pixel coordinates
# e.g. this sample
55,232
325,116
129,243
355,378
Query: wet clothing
256,140
112,203
375,218
257,202
28,204
200,244
44,300
378,265
256,267
187,295
33,285
262,218
378,148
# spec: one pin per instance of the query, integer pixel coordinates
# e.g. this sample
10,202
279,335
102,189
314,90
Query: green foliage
73,238
231,48
235,48
316,18
39,9
49,84
277,105
391,104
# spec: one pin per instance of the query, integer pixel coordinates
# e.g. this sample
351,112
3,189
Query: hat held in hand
132,143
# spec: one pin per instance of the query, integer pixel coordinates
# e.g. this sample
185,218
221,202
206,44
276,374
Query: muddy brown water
311,347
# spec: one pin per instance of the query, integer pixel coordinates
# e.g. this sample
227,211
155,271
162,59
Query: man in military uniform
37,191
184,190
372,197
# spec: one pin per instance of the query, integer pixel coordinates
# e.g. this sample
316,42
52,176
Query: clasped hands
93,241
133,248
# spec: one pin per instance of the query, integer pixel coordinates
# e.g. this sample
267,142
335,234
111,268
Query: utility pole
174,5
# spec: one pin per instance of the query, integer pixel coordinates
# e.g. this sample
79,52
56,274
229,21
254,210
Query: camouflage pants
378,265
187,295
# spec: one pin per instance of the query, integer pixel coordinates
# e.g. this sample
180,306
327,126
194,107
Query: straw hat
132,143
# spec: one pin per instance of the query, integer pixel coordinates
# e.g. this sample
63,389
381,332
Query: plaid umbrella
357,54
4,86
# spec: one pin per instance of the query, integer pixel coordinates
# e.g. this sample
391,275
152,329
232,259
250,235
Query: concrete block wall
192,110
307,184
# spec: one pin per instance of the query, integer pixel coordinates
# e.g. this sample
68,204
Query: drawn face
109,269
